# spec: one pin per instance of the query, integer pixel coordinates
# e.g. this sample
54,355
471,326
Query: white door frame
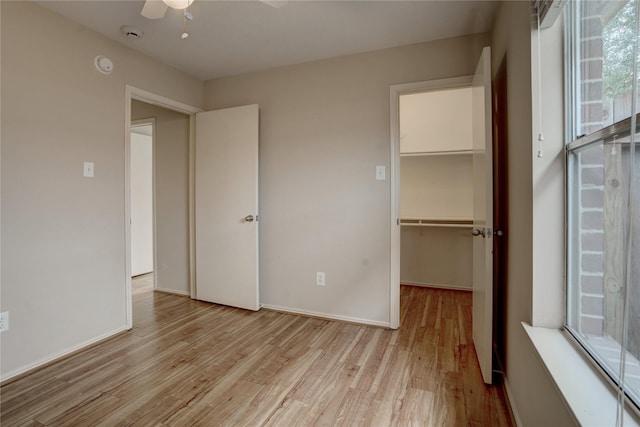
149,122
131,93
395,92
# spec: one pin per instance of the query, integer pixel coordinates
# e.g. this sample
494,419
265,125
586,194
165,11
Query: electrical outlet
320,278
4,321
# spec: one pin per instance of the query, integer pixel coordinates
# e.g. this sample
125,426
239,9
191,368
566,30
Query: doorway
436,196
436,188
173,157
443,188
177,175
171,171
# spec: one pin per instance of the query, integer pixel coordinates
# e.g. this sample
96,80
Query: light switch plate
381,173
320,278
88,169
4,321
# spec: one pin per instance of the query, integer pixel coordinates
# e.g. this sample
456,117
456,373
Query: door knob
248,218
478,232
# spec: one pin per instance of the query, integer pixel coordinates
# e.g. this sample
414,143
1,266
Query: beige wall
324,126
172,195
63,249
533,394
436,186
548,181
436,256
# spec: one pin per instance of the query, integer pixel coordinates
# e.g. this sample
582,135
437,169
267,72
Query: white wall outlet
320,278
381,173
4,321
88,169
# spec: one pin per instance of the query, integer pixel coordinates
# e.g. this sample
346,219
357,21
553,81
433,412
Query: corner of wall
532,391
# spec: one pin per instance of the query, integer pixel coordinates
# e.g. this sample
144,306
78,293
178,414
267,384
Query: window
603,188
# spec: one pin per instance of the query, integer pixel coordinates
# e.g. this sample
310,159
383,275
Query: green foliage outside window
617,39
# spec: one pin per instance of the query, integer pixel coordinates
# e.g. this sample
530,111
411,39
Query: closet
436,188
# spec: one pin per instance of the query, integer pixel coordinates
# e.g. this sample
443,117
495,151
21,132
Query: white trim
438,286
192,206
591,400
161,101
145,122
59,355
127,210
325,315
394,279
511,402
394,128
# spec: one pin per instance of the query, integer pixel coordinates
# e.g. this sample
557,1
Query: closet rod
436,223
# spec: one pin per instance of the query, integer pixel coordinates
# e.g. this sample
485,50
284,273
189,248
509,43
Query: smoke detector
103,64
132,33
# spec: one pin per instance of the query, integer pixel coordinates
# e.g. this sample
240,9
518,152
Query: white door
483,216
226,207
141,200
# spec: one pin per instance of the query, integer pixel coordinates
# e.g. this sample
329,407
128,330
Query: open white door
226,207
141,184
483,216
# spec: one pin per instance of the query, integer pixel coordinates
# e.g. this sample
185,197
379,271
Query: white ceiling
235,37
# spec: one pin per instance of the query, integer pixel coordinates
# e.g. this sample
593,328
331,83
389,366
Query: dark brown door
500,211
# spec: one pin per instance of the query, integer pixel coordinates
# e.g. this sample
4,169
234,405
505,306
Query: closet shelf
437,153
437,222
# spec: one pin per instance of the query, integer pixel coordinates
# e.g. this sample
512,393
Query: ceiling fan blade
154,9
275,3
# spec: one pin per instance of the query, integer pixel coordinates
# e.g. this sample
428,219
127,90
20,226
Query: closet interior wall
436,188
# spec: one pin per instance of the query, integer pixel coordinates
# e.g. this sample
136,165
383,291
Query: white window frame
575,142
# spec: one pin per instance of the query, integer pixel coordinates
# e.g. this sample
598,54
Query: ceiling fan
155,9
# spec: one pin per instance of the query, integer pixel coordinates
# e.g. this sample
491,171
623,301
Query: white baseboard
173,291
437,285
58,356
510,402
326,316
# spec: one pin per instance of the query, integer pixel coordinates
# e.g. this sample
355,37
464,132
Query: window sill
584,390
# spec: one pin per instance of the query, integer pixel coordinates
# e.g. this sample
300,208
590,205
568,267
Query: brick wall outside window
591,174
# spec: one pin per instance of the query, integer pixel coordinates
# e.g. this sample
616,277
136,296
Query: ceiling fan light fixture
178,4
275,3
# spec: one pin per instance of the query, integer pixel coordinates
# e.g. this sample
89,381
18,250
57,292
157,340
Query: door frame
149,122
138,94
395,92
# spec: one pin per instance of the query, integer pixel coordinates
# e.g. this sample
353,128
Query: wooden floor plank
290,413
416,409
187,362
88,413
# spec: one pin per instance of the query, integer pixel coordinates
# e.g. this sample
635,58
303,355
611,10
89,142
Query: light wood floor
191,363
